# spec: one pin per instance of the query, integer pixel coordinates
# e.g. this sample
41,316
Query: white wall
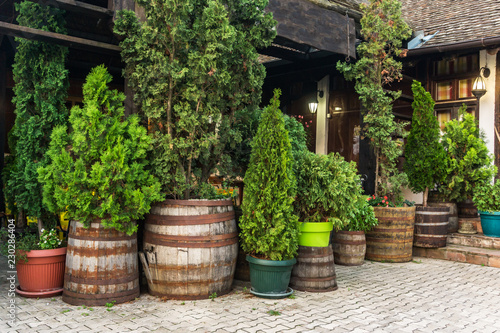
487,102
321,120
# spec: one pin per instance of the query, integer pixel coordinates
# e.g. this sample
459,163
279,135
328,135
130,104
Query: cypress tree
268,226
192,64
383,30
41,84
425,155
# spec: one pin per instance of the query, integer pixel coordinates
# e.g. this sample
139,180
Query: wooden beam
52,37
81,8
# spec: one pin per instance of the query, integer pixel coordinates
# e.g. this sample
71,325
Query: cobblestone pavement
425,295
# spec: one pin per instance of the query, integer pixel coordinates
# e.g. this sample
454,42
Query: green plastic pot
270,278
490,223
316,234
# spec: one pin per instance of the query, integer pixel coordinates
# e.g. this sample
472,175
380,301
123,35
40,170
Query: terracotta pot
43,272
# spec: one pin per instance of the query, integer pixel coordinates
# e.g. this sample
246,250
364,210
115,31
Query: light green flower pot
316,234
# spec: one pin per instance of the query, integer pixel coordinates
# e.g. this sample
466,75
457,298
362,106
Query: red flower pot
43,273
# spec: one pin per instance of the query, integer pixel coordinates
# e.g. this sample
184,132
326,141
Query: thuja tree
97,164
192,64
383,31
468,163
40,90
269,228
424,153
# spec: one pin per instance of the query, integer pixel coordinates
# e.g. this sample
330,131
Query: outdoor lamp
479,87
313,105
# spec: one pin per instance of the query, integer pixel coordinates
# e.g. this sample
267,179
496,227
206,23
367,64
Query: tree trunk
426,195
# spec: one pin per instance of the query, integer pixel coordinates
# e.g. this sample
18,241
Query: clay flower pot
43,274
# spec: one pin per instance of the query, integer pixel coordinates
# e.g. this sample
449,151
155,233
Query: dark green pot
270,278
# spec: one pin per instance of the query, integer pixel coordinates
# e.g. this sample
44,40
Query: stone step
462,253
475,240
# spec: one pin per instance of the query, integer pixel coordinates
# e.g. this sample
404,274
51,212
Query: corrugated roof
456,20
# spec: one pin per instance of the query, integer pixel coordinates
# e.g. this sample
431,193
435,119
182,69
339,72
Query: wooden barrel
431,226
392,239
468,225
467,209
349,247
101,266
452,216
191,248
314,270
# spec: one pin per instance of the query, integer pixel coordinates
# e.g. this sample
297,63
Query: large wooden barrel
191,248
314,270
349,247
431,226
101,266
452,216
392,239
467,209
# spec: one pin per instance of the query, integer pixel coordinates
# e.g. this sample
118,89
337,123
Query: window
453,78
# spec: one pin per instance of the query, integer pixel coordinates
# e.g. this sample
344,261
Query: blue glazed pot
490,222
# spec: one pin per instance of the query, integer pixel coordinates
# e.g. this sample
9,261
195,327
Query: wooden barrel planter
392,239
349,248
314,270
467,209
101,266
191,248
452,215
431,226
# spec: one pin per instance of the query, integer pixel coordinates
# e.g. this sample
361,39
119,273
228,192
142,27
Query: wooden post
3,134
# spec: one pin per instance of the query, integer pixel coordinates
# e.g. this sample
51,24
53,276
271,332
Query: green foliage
363,218
486,196
383,31
328,188
268,226
236,156
24,242
297,135
468,161
384,201
97,166
425,155
41,84
192,64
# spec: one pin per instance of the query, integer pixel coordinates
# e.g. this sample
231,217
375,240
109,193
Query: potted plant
97,174
269,228
486,199
425,167
202,64
349,243
383,31
327,189
39,261
468,161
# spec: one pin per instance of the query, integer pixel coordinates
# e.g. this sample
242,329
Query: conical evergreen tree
41,84
97,165
268,226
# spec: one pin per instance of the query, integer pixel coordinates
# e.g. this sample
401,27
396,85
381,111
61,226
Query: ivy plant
40,90
486,196
269,228
96,168
468,161
383,31
192,65
424,153
363,217
328,188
